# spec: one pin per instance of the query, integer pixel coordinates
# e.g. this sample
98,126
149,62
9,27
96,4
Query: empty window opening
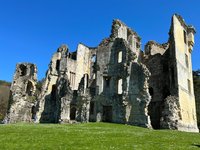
186,60
53,92
119,90
151,91
106,82
185,36
91,108
119,56
86,80
72,78
93,58
72,113
29,88
128,34
57,65
73,56
33,112
23,70
189,86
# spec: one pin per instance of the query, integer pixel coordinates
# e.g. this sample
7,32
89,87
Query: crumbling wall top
189,28
117,24
152,48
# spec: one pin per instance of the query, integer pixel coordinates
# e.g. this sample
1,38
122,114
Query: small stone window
119,56
186,60
119,89
189,86
185,36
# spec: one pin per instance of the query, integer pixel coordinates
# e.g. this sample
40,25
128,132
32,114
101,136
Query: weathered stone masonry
22,94
114,82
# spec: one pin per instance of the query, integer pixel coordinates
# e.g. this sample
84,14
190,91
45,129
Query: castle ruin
113,82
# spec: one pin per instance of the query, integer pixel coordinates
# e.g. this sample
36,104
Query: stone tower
181,79
22,94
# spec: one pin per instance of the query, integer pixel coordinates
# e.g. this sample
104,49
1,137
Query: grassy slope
93,136
4,91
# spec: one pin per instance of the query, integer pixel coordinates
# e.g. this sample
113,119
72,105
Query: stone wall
47,99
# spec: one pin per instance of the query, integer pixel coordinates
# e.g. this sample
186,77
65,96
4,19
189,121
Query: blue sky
32,30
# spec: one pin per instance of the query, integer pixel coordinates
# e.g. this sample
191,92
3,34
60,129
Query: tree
196,79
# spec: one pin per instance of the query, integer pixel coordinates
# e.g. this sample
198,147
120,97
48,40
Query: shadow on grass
197,145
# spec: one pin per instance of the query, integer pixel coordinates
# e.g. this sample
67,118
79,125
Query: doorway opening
107,114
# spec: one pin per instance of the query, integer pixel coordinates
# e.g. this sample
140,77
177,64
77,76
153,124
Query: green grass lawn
93,136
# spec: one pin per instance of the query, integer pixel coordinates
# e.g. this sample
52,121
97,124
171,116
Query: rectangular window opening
119,88
72,78
106,82
186,60
185,36
189,86
119,56
91,108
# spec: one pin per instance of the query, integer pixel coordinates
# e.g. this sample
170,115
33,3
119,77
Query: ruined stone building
113,82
